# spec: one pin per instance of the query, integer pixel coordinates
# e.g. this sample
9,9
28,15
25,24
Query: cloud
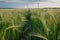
53,1
29,3
10,0
44,5
33,5
49,4
22,0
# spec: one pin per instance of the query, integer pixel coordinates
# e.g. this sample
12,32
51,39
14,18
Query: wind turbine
38,4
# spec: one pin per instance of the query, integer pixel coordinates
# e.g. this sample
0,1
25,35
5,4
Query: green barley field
30,24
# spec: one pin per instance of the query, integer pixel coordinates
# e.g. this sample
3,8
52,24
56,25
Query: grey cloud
19,3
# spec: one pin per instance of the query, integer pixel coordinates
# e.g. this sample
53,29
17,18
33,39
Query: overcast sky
29,3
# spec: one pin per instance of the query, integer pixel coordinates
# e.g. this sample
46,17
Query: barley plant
30,24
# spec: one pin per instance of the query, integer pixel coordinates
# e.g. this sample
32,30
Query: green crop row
29,24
